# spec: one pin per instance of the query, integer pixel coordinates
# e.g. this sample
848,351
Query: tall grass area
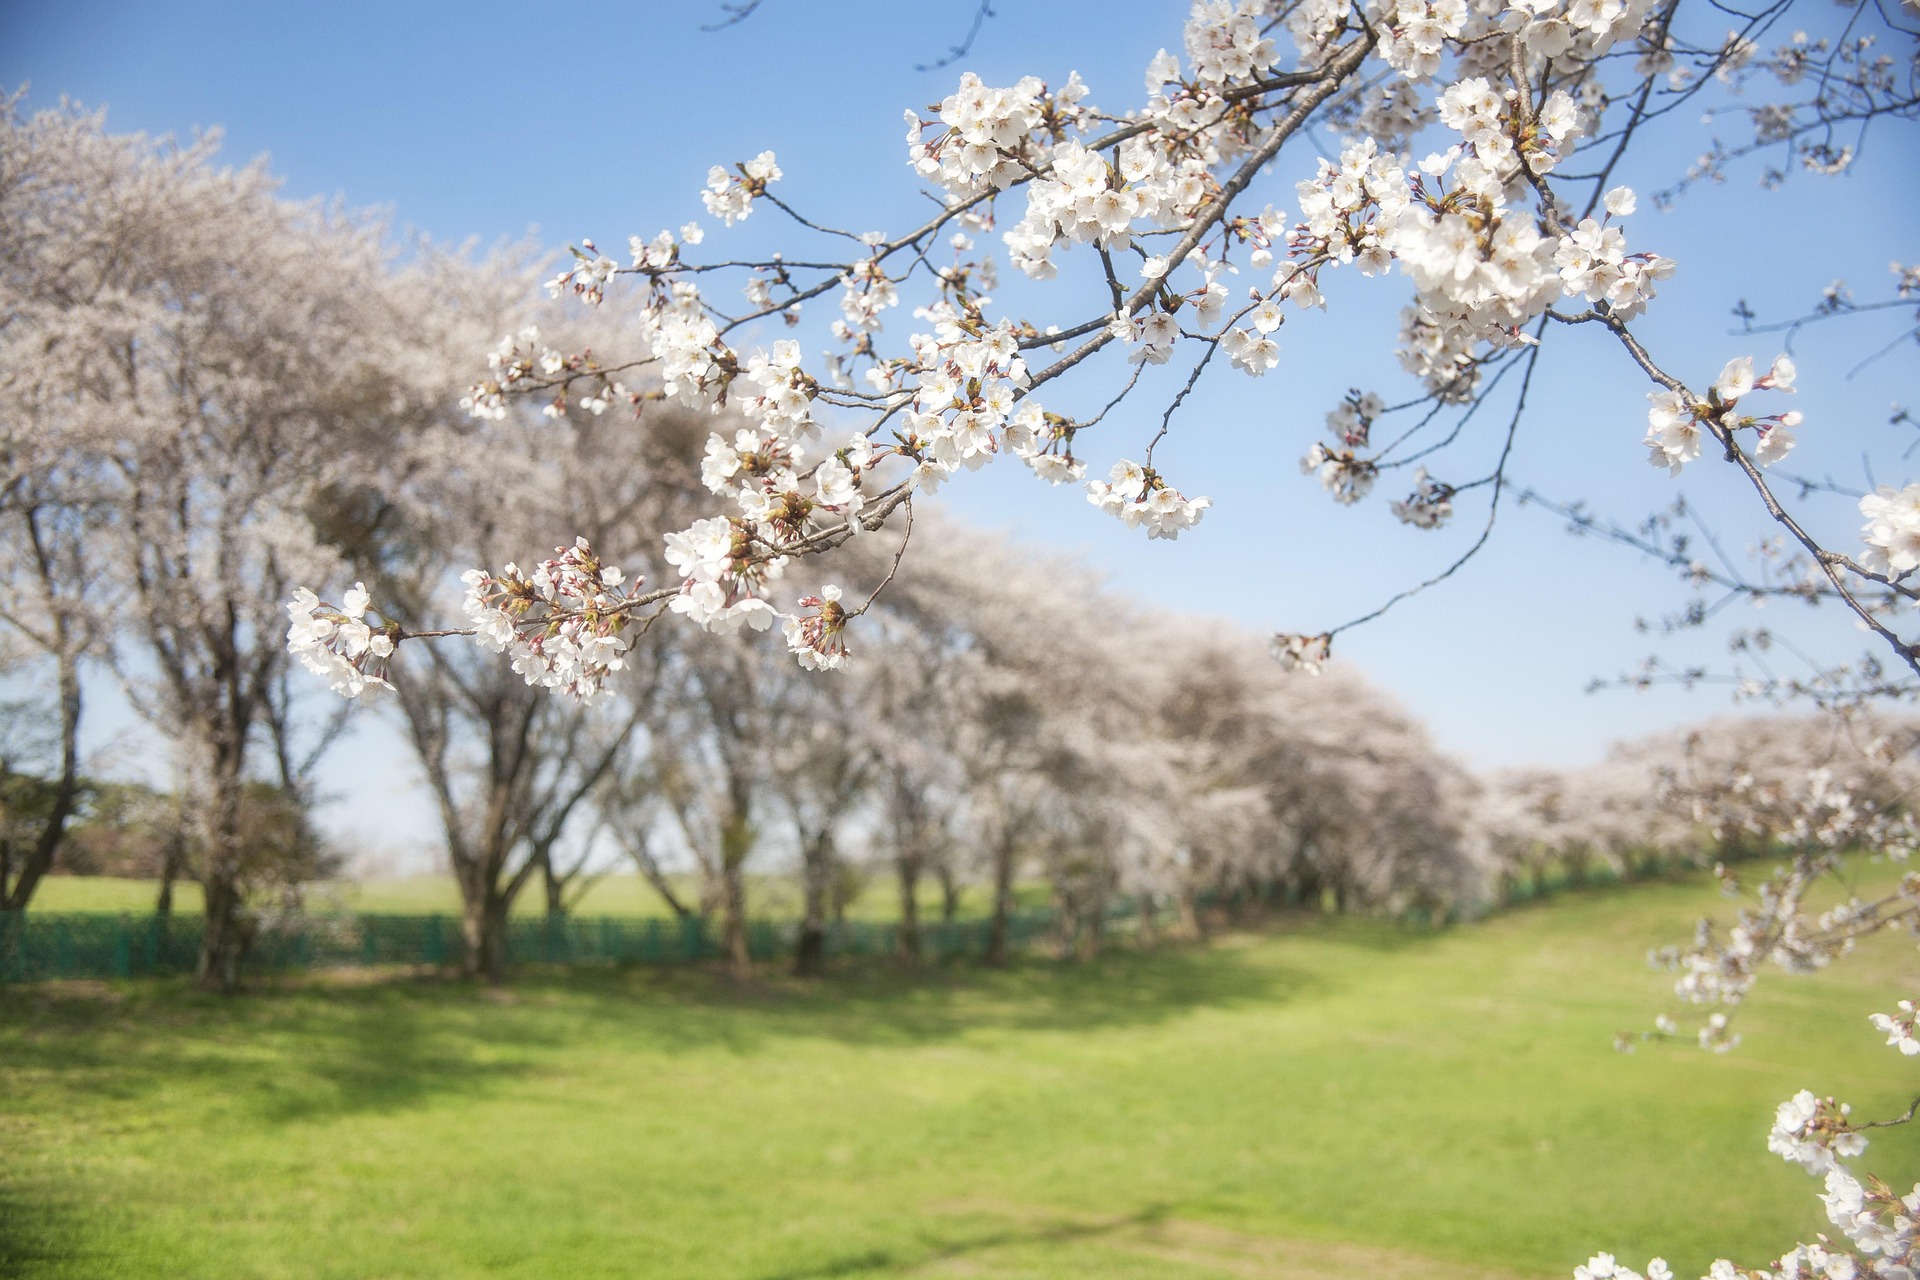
1317,1097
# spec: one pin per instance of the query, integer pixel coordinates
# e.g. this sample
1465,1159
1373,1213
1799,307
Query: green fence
35,946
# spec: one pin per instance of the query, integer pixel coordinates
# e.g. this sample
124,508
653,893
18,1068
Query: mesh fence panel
37,946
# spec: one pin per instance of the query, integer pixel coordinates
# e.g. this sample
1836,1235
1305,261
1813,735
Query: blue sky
498,122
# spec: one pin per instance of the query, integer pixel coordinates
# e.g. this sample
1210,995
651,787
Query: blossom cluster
1417,32
866,293
1225,43
516,360
818,639
661,252
339,643
1340,468
1677,422
1483,267
588,277
1307,654
1430,504
1899,1027
1812,1132
1341,472
1892,531
522,362
1141,499
985,131
967,402
729,196
1604,1266
562,625
1087,200
1593,263
1348,208
721,576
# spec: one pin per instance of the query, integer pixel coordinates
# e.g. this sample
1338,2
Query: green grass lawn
1321,1098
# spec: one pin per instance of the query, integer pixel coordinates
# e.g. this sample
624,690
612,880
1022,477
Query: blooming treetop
1460,122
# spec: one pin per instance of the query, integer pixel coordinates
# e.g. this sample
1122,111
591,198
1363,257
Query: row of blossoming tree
980,746
211,393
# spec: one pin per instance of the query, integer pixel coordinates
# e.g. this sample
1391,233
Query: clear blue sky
494,121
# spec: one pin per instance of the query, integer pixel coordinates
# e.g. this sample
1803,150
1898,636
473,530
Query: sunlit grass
1324,1097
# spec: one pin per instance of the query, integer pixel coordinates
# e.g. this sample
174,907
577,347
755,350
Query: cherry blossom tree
194,365
73,212
1536,820
50,607
990,699
515,773
716,779
823,767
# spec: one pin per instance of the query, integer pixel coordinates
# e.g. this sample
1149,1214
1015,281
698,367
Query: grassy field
1317,1098
629,896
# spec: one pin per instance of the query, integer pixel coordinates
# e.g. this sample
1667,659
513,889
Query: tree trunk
173,864
1191,924
483,934
841,895
66,794
1147,932
1067,926
997,940
907,937
734,922
1192,921
555,886
816,873
810,950
1094,936
949,892
736,840
224,943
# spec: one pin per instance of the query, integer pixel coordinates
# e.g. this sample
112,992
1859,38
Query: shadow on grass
37,1232
885,1004
1366,933
310,1048
153,1055
1058,1232
281,1055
